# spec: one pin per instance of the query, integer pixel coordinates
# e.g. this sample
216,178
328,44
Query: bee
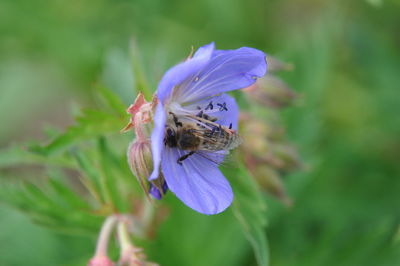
202,135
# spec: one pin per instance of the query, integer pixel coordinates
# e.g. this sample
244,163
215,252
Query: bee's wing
216,157
219,158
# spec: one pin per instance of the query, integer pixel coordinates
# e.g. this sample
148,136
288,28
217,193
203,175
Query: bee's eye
170,132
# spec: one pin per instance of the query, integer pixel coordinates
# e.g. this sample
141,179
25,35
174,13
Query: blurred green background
346,125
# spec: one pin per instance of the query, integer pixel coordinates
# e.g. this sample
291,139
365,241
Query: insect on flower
201,135
195,124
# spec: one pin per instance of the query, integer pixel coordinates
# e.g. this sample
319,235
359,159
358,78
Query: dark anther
222,106
184,157
210,106
230,126
200,114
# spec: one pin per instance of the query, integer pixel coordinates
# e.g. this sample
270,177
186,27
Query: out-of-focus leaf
250,210
140,79
55,206
19,155
90,124
113,176
112,101
202,240
69,197
92,177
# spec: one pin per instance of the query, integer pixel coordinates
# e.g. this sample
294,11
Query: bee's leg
176,121
184,157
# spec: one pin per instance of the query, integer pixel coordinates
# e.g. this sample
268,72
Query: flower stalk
101,258
130,255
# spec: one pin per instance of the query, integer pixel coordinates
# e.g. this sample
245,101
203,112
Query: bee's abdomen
188,141
219,139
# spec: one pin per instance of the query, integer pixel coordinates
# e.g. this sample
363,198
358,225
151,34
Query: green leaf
91,178
19,155
250,210
71,198
113,177
112,101
141,83
91,124
54,205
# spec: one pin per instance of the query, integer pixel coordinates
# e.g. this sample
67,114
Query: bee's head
170,138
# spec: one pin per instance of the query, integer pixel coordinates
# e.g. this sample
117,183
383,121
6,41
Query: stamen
209,106
222,106
230,126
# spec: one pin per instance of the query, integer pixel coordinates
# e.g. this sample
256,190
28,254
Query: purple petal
183,71
227,70
155,192
157,139
197,182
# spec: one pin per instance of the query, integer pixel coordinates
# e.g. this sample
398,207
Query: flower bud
271,182
100,261
274,64
287,156
132,256
267,155
140,161
272,92
141,164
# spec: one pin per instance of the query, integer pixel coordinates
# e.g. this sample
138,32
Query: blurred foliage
346,123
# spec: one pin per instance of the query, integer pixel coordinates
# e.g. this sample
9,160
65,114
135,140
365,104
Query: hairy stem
105,234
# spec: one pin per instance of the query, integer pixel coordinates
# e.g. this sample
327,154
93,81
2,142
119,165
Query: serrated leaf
112,101
250,210
112,178
68,195
51,209
92,178
91,124
18,155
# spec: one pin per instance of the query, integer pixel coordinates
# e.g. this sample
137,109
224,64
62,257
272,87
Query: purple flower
195,86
